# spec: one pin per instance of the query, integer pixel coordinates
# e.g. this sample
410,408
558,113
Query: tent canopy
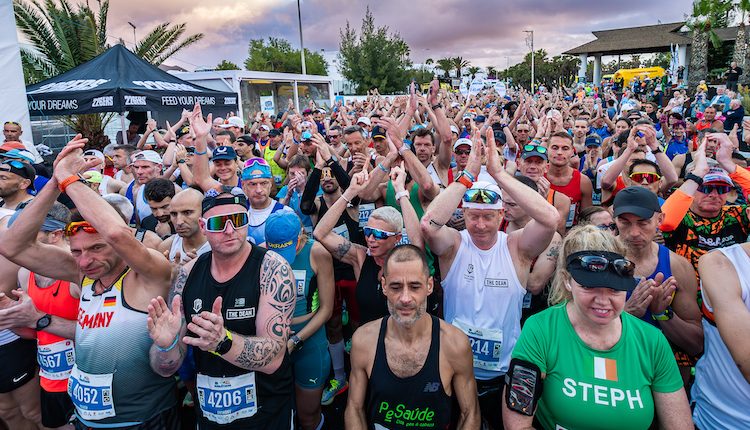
117,81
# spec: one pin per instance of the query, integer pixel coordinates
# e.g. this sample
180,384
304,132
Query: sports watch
43,322
225,344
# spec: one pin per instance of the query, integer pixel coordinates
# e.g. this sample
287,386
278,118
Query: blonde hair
580,238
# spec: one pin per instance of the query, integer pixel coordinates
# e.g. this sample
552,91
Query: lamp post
530,41
301,43
133,25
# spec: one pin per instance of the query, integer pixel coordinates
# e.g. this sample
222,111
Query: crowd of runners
565,259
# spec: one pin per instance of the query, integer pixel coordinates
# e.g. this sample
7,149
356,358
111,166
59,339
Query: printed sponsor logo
165,86
103,101
56,104
403,416
431,387
97,320
496,283
75,85
240,314
239,302
135,100
197,305
187,100
230,100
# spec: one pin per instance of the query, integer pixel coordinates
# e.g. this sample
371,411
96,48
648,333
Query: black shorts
57,408
19,364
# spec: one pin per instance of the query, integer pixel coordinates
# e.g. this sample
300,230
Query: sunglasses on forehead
74,227
596,263
218,223
535,148
11,123
481,196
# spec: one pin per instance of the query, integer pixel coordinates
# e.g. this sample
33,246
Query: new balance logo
431,387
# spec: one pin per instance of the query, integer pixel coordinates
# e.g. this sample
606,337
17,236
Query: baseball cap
378,132
274,132
282,234
717,175
7,146
594,269
636,200
593,140
94,153
364,120
233,121
247,139
185,129
532,150
256,168
479,118
483,195
467,115
224,153
20,154
462,142
93,176
265,127
147,155
21,169
454,129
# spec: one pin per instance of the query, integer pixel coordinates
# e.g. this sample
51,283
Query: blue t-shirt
294,201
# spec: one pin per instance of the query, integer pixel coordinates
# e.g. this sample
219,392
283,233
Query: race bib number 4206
224,400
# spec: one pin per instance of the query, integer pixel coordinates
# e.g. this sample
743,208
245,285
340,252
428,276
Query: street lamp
301,43
530,41
133,25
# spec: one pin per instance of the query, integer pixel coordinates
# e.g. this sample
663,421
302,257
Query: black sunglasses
600,263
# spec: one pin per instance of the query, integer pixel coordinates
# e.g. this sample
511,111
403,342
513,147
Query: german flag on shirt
110,301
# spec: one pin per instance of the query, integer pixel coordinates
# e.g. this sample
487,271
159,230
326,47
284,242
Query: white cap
233,121
147,155
94,153
265,127
455,104
365,120
489,186
463,141
454,129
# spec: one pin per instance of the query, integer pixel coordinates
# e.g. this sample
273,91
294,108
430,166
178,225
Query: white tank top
434,175
721,393
141,205
177,246
483,297
103,184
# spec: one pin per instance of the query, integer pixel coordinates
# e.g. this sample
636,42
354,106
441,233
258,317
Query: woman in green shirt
601,367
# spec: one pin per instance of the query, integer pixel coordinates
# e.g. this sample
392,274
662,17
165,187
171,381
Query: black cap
224,153
24,170
533,153
607,278
378,132
247,139
638,201
274,132
182,131
593,140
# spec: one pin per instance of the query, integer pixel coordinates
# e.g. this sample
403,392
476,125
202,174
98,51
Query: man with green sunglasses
486,270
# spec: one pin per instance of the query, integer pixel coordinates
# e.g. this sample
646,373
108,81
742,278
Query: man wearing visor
600,367
486,270
234,306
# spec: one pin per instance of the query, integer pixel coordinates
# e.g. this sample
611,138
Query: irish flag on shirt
605,368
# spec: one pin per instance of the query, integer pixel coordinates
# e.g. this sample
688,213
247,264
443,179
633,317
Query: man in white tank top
189,242
721,392
485,271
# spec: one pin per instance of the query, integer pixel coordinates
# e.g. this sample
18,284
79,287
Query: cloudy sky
483,31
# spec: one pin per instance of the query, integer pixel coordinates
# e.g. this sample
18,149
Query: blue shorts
312,362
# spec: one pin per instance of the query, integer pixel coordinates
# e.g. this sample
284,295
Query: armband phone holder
523,386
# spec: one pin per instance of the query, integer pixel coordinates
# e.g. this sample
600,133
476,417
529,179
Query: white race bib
365,209
301,277
91,394
571,216
224,400
342,231
56,359
486,345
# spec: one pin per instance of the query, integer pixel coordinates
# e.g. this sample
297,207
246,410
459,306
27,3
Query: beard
407,322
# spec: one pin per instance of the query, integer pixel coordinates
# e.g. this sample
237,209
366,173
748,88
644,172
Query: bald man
185,213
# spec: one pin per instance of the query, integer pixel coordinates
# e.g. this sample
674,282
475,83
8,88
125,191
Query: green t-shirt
585,388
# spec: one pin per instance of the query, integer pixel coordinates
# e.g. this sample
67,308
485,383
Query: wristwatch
695,178
43,322
657,150
437,106
225,344
332,160
664,316
296,341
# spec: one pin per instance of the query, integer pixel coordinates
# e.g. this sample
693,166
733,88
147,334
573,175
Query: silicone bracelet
67,181
171,347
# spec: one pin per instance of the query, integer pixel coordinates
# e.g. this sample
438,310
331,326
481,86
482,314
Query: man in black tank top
238,300
406,366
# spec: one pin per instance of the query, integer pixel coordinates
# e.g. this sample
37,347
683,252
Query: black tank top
418,401
241,296
342,270
688,160
369,294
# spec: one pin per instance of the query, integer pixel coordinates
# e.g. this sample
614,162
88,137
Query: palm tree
491,72
705,13
445,64
63,36
459,64
429,61
740,43
473,70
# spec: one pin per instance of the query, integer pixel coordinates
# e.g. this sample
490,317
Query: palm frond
173,50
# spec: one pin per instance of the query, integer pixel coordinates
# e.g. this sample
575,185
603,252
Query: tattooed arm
265,351
544,267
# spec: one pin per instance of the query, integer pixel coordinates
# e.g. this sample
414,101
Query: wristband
348,202
657,150
466,172
465,181
435,223
664,316
201,153
402,194
405,147
67,181
383,168
437,106
170,347
695,178
180,161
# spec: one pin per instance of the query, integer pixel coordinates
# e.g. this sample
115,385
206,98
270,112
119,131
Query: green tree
473,70
492,72
707,15
376,58
227,65
63,36
560,70
446,65
741,51
277,55
459,64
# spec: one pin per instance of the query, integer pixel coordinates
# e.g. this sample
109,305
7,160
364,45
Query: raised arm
411,221
201,128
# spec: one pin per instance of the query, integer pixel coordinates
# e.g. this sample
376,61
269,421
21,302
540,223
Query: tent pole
122,129
296,97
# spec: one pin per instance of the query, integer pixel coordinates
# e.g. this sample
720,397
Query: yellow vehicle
641,73
443,86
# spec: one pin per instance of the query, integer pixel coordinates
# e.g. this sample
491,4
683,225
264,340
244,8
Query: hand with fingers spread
723,151
198,126
70,160
164,323
208,328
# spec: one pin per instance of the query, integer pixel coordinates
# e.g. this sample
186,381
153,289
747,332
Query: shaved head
189,196
185,212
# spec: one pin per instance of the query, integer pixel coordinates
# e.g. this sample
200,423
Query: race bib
365,209
91,394
404,238
571,216
56,359
301,278
277,179
224,400
486,345
342,231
